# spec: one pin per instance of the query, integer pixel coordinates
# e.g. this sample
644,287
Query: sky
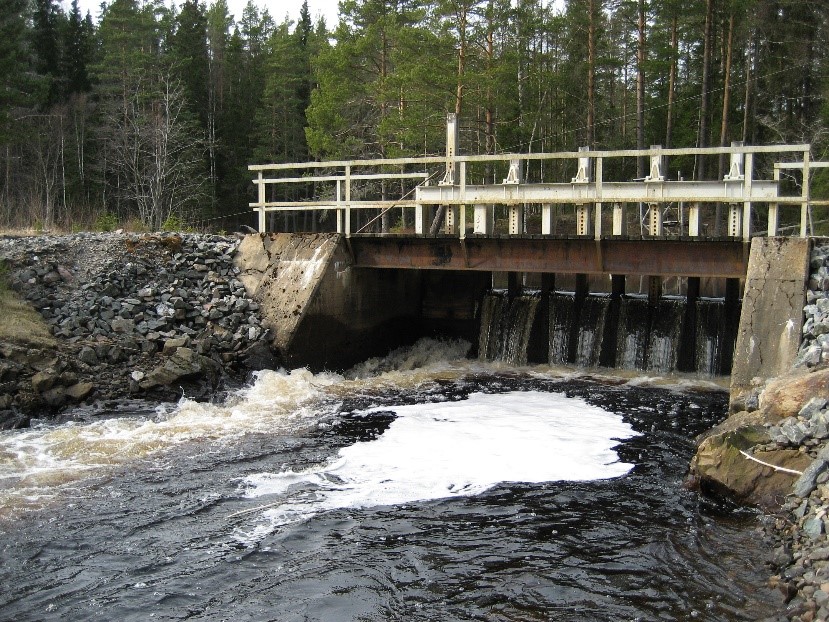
277,8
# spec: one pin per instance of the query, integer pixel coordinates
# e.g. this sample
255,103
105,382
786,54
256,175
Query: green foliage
153,113
175,223
106,222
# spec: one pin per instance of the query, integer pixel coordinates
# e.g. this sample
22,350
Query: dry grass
20,323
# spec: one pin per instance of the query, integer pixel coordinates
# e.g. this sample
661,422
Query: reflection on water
443,489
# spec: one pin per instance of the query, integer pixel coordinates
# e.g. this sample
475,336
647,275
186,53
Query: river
423,486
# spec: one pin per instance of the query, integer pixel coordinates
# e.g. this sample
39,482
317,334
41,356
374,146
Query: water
506,326
441,490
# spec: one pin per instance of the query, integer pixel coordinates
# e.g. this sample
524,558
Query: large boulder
784,396
184,364
720,468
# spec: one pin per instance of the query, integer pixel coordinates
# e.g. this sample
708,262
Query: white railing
589,191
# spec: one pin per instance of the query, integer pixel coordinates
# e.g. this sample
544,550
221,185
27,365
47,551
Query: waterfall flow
628,332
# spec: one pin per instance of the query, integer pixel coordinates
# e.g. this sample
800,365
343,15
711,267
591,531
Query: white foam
450,449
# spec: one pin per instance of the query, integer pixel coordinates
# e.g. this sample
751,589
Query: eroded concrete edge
771,320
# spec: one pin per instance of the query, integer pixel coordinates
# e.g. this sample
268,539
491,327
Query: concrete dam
326,310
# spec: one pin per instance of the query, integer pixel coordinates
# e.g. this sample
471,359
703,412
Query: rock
54,397
171,345
718,466
44,380
813,527
87,355
184,363
807,482
137,375
813,406
79,391
786,395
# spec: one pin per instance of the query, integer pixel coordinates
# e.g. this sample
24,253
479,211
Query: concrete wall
321,312
771,320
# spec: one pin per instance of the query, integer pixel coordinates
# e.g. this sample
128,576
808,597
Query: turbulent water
422,486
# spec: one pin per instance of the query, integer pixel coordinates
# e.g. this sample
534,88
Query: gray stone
44,380
171,345
812,407
819,554
122,326
79,391
793,430
813,527
807,482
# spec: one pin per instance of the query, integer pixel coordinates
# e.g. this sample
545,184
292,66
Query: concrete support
771,318
619,220
548,219
694,220
483,219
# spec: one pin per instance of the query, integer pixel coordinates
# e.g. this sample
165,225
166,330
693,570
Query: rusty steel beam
650,257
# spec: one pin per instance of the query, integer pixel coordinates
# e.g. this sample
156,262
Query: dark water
156,537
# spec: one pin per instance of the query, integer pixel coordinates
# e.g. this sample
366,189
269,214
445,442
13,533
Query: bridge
554,213
422,240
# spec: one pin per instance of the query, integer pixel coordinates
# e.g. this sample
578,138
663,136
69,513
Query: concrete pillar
771,317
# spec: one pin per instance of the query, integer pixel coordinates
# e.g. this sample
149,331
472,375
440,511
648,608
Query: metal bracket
585,169
516,172
657,165
735,169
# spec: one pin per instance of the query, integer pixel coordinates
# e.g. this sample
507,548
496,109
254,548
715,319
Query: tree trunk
704,108
669,129
591,72
748,102
726,98
640,90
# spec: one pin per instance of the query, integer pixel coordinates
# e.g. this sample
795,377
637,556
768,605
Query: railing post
516,219
598,205
747,190
582,209
261,196
774,208
655,227
339,207
462,223
804,207
347,201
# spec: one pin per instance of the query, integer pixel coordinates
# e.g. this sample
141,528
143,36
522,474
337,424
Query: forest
147,115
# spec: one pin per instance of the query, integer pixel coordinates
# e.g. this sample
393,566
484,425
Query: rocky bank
152,315
775,454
